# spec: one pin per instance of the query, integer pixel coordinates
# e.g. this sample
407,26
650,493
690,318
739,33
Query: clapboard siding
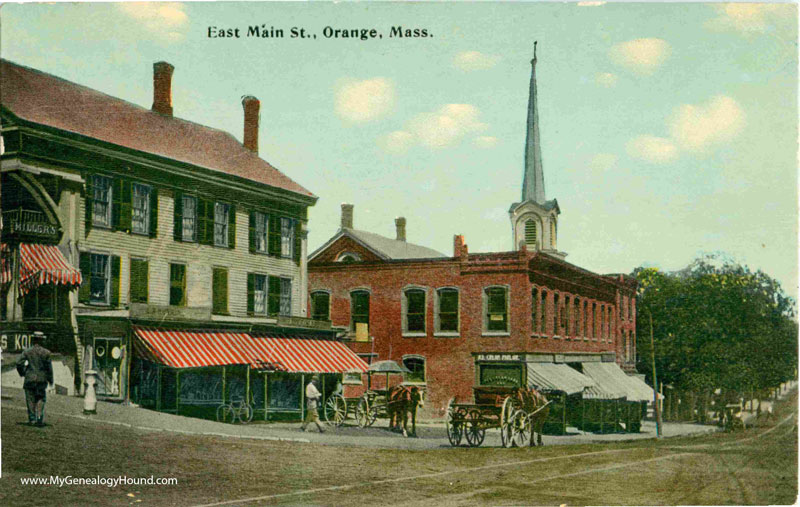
199,259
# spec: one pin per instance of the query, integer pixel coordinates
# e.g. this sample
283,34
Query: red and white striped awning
39,265
194,349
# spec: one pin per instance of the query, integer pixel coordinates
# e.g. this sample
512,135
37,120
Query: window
40,303
414,303
177,285
348,257
496,309
447,310
261,229
543,311
530,233
259,294
189,219
100,278
287,237
552,233
140,219
500,375
359,308
534,310
286,296
576,317
101,195
139,281
564,311
320,305
219,291
221,211
587,330
417,366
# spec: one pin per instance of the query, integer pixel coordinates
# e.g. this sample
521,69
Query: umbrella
387,367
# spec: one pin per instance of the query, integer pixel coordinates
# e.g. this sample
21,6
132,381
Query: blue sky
668,130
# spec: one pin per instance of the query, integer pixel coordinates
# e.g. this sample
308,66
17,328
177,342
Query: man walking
312,397
34,364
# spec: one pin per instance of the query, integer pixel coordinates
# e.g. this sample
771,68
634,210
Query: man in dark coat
34,364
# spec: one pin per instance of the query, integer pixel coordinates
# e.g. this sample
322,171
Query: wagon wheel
336,410
473,428
454,429
521,429
362,412
506,416
374,411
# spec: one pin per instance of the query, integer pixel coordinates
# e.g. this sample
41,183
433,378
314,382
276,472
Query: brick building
153,250
467,319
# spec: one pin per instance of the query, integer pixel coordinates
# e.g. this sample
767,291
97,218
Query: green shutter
203,226
86,274
139,281
115,269
209,226
251,292
88,202
177,222
153,212
219,290
274,296
298,240
274,239
231,226
116,202
126,206
252,232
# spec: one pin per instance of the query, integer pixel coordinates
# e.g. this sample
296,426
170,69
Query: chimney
347,216
459,247
400,225
162,88
251,106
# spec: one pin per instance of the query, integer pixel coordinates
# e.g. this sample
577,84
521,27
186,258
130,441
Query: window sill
415,334
556,337
447,334
420,383
224,314
145,234
101,226
495,333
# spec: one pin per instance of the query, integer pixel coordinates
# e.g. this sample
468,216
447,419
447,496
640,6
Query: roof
383,247
557,377
546,205
610,378
44,99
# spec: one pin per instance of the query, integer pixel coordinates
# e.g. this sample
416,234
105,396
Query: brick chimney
459,247
400,225
251,117
347,216
162,88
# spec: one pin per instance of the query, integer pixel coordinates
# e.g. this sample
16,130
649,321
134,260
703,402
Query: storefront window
284,393
40,303
109,355
501,375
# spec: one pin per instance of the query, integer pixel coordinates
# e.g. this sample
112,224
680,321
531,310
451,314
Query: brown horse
534,402
402,401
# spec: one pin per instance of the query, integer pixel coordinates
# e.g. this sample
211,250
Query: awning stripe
557,377
42,264
192,349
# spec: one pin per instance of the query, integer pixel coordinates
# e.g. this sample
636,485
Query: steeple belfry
533,179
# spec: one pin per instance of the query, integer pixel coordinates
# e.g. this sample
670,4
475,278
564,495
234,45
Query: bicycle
235,410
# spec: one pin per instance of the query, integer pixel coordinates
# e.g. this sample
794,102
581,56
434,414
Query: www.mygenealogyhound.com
111,482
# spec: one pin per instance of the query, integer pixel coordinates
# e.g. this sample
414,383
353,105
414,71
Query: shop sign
498,357
289,321
15,342
30,225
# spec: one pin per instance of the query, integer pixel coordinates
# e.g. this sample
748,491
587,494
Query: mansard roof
40,98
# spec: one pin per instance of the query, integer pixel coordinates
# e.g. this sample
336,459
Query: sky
667,130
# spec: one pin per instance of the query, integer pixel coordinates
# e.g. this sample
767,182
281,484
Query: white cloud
363,101
750,17
486,141
606,79
396,142
696,127
658,150
474,60
590,4
164,19
446,126
642,56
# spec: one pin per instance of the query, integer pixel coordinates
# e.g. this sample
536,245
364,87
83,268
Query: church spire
533,179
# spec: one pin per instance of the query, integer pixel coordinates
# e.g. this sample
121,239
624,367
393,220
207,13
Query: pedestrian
312,397
34,364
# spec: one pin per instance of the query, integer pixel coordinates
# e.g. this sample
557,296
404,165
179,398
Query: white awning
615,383
557,377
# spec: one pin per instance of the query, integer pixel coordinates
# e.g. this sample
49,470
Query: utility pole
655,378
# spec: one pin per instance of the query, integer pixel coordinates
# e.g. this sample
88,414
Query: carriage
517,412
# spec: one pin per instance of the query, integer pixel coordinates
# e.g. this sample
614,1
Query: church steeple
533,179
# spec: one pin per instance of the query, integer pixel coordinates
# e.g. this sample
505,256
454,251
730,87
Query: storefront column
178,392
158,389
303,396
247,386
223,385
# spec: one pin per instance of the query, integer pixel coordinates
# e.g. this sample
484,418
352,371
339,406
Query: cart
513,410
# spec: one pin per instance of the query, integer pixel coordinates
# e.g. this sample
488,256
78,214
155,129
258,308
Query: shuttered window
260,231
287,237
530,233
286,296
320,305
219,291
189,218
177,284
221,211
139,281
102,192
140,205
274,296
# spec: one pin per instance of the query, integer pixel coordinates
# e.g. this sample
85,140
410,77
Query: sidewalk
431,435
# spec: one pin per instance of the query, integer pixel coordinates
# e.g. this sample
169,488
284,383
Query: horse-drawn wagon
518,412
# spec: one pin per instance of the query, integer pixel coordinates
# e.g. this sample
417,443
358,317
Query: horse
532,400
401,401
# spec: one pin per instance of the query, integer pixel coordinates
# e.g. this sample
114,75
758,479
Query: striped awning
195,349
616,384
39,265
557,377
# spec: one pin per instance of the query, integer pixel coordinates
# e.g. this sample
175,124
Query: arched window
348,257
565,315
531,233
414,310
496,309
576,316
417,366
359,308
543,312
552,233
447,310
534,310
320,305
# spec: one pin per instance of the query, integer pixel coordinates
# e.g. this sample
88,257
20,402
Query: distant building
468,319
153,250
